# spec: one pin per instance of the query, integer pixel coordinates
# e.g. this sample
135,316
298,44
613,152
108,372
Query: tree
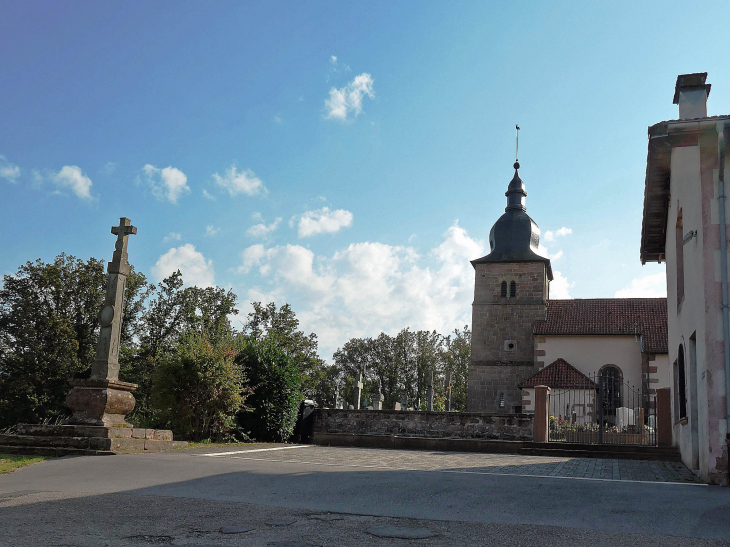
172,312
198,389
48,333
281,328
276,392
456,356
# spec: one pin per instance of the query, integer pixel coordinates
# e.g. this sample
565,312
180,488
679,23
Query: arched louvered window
512,289
504,289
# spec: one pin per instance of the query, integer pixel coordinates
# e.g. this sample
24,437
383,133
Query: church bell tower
510,294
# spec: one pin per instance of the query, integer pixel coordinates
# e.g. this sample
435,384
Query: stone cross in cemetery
448,391
102,399
378,399
358,390
429,393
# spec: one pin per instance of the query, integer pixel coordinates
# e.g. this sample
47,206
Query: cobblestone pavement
463,462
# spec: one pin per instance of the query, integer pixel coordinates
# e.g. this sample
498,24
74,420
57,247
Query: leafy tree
172,312
198,389
47,334
455,357
276,392
281,328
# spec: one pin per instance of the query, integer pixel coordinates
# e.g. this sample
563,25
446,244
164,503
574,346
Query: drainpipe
723,270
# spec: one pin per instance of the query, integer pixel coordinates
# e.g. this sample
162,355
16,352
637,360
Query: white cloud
172,236
169,183
195,269
560,287
9,171
207,195
370,287
245,182
324,221
109,168
262,229
277,119
348,100
71,177
333,59
550,236
649,286
211,230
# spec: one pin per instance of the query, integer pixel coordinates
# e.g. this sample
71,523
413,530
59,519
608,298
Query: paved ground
463,462
354,497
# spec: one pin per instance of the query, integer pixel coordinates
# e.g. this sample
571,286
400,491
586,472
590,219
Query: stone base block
86,439
100,402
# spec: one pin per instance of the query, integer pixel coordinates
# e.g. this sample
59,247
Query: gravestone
429,393
101,402
378,399
396,406
358,390
448,391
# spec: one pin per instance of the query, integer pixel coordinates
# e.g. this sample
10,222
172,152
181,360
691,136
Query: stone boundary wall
455,425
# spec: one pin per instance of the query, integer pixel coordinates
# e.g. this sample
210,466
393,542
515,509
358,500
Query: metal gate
602,409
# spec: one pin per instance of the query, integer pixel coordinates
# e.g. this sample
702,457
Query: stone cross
429,393
358,390
378,399
448,391
106,363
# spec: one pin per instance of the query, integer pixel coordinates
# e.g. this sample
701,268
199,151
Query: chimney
691,93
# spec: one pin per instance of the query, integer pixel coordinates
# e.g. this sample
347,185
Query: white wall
589,353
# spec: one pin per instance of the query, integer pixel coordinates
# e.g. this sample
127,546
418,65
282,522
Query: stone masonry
459,425
503,348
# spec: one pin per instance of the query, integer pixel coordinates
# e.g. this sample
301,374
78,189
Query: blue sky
347,158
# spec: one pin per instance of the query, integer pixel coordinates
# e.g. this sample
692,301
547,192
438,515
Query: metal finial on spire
517,143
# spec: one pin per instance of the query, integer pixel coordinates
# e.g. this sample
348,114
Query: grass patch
12,462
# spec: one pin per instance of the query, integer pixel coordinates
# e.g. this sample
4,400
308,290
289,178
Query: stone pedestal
100,402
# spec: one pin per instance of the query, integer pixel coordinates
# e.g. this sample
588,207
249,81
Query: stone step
92,444
83,443
93,431
51,451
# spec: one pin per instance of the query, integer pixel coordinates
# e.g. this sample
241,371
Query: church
521,338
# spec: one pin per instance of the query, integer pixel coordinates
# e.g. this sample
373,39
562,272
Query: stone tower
510,294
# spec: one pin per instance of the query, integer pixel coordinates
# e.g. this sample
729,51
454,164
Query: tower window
512,289
504,289
501,400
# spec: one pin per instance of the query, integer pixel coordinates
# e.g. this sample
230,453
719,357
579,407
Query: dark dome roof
515,236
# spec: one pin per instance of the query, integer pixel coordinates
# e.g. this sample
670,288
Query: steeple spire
516,192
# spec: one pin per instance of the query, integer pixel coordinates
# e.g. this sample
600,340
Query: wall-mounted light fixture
689,235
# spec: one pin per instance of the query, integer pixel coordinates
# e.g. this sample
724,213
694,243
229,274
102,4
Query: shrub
275,382
197,389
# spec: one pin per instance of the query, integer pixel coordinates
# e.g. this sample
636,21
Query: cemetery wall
455,425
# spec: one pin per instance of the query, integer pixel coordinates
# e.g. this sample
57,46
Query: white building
685,225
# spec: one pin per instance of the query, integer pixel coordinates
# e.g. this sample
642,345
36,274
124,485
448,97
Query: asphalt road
429,489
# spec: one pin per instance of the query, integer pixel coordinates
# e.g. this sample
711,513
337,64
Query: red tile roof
560,374
646,317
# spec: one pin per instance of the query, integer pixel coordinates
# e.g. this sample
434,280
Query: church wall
589,353
502,340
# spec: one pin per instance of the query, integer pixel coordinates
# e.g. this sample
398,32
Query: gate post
542,414
664,417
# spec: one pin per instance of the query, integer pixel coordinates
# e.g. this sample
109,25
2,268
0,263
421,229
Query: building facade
685,225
